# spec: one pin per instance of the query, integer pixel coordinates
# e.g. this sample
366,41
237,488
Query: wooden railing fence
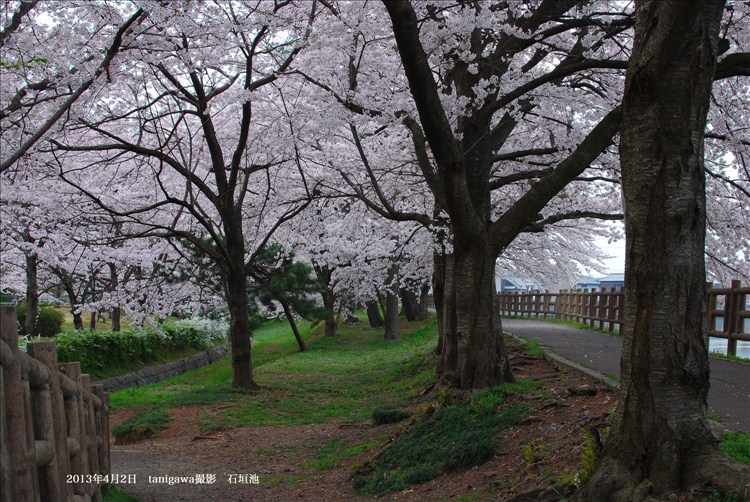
729,314
599,309
54,425
728,309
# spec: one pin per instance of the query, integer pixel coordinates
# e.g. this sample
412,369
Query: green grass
142,425
455,437
339,378
736,445
729,357
533,348
114,494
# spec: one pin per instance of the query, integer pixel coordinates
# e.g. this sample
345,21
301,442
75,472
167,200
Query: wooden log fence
54,424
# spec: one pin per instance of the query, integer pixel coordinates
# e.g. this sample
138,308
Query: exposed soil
544,447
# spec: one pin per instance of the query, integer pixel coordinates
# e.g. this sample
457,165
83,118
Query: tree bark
473,351
324,275
409,305
73,299
329,302
32,294
239,332
293,325
422,302
113,283
392,328
373,314
440,262
660,441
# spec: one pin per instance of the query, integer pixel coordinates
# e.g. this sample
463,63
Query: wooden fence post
54,428
91,436
21,454
732,326
79,450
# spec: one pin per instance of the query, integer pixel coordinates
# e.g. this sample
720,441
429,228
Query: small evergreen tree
279,278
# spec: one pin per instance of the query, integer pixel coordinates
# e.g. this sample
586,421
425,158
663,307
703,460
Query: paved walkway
729,396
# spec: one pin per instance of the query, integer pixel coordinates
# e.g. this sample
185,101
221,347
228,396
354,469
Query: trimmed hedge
105,352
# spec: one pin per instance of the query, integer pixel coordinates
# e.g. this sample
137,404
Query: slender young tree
661,441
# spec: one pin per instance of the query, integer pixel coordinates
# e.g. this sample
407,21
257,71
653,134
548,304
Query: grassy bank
339,378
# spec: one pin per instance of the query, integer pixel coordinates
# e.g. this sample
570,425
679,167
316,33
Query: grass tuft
141,426
114,494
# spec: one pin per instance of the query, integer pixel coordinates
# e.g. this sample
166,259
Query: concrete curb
561,363
564,364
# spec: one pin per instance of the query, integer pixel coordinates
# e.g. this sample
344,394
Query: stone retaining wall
157,373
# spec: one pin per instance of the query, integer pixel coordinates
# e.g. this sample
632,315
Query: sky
615,264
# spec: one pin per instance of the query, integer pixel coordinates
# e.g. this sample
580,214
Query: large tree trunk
239,332
32,295
422,302
73,299
440,261
235,290
661,440
409,305
324,275
473,352
329,302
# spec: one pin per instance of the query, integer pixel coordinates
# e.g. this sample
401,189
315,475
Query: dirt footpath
283,463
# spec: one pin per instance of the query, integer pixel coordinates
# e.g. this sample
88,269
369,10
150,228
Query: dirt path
285,463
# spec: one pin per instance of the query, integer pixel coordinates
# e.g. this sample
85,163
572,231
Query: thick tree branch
112,51
424,89
540,226
515,219
734,65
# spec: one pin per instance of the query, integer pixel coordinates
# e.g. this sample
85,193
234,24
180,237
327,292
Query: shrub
48,324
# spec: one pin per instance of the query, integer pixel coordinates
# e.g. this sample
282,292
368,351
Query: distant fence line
728,309
54,425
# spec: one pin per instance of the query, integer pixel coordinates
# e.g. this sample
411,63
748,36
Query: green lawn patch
455,437
729,357
114,494
339,378
736,445
141,426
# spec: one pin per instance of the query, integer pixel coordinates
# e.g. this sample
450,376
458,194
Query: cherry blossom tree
494,136
187,155
661,441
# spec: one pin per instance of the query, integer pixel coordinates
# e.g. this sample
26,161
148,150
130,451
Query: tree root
702,474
